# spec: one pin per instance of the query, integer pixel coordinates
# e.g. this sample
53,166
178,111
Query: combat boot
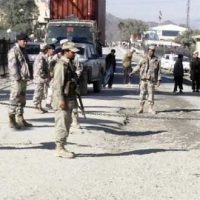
40,110
22,122
62,152
12,122
141,109
75,122
151,110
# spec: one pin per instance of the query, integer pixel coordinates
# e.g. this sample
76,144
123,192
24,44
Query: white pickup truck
168,61
93,67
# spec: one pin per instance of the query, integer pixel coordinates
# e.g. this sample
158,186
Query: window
170,33
167,57
33,49
77,34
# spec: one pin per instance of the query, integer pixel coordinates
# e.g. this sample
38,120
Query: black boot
22,122
12,122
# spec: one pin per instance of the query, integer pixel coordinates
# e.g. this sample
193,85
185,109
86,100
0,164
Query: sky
148,10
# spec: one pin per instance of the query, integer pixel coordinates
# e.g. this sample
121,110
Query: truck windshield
78,34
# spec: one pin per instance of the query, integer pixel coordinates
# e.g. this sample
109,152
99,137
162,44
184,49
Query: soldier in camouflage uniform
149,70
41,76
19,71
64,97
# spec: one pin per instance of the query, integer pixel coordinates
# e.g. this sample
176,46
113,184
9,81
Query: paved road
120,155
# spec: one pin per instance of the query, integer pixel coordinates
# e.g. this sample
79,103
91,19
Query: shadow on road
51,146
130,153
43,145
122,132
179,110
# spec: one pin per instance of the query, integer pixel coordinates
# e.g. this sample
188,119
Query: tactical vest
70,81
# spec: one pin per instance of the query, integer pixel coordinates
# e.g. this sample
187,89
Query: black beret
21,36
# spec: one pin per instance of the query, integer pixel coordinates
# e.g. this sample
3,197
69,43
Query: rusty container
83,9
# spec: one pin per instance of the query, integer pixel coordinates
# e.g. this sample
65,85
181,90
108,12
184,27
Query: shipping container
83,9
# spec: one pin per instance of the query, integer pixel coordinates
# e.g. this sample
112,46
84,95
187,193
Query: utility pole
188,14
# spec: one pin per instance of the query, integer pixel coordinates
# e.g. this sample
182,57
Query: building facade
168,32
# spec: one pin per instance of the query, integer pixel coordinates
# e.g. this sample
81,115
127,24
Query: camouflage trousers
147,89
39,93
17,97
63,120
50,93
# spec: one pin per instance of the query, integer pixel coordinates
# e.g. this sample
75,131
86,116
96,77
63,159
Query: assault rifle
81,107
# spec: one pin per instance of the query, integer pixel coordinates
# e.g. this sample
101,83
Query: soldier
41,76
52,59
79,69
64,97
149,69
19,71
127,65
75,115
195,71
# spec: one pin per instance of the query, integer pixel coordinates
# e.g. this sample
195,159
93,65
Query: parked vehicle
168,61
93,67
32,49
73,29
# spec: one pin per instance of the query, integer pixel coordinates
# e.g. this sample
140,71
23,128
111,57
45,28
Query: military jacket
40,68
195,68
65,82
18,64
127,59
149,69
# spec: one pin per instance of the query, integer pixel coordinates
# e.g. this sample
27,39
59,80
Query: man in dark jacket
178,74
195,71
110,69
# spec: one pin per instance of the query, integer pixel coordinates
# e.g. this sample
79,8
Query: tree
131,26
20,14
186,38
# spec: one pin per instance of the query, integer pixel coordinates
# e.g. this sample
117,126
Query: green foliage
131,26
186,38
20,14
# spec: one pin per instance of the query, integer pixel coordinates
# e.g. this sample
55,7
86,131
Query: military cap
45,46
21,36
69,46
63,41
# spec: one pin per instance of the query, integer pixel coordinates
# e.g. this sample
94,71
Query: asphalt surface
120,155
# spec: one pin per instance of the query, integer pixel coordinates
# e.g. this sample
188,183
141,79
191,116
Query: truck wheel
83,84
97,86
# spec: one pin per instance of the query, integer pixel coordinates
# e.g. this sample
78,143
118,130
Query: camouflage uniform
149,70
127,65
64,74
19,71
41,76
75,115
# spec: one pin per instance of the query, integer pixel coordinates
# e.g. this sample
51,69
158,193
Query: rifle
81,107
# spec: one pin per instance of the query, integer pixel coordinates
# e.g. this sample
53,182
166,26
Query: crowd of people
149,69
56,79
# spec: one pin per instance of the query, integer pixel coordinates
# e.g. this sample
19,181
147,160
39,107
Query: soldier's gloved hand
158,83
62,104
